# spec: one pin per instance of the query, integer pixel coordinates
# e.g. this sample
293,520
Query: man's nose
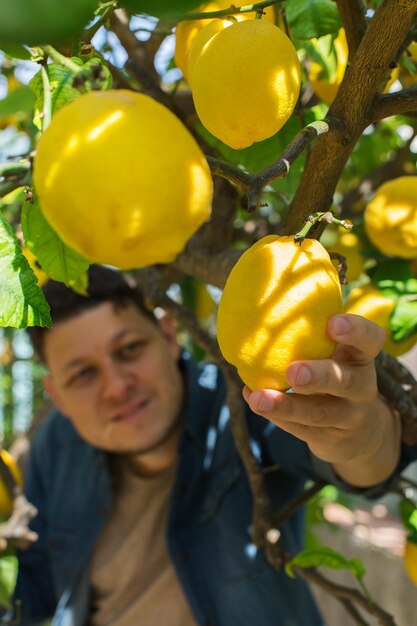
115,381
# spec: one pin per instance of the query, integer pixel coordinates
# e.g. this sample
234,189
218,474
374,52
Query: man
144,507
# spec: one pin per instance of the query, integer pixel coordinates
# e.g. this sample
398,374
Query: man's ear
48,385
168,328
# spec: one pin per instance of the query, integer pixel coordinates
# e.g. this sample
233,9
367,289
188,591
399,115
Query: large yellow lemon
246,82
326,90
410,560
275,307
186,31
6,501
391,217
370,303
121,179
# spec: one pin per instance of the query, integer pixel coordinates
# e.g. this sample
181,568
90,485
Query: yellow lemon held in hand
246,82
121,179
6,501
326,90
186,31
410,560
348,245
390,218
275,307
370,303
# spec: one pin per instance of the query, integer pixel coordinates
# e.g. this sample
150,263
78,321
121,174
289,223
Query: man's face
115,375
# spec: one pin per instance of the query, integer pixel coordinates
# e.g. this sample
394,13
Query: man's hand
335,407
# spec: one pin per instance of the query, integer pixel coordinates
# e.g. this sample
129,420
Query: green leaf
403,321
19,100
8,575
314,18
61,82
57,259
22,302
325,557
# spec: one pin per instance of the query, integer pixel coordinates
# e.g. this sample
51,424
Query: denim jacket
227,580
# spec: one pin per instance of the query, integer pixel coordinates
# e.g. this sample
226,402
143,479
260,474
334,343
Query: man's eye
132,348
81,375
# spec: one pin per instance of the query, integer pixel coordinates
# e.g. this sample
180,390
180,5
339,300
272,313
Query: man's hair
104,285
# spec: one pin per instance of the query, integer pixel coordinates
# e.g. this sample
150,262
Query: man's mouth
133,412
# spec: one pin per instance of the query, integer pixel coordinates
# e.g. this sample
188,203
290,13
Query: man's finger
361,340
328,376
312,411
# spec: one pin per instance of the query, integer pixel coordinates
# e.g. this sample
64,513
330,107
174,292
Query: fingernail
303,376
341,326
265,403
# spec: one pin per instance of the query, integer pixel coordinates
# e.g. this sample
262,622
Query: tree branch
397,103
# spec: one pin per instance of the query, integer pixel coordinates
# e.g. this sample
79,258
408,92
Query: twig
344,593
253,184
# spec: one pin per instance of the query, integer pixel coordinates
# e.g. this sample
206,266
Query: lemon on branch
275,307
246,82
390,218
121,179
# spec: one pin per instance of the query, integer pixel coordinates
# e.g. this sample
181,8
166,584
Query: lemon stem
326,216
57,57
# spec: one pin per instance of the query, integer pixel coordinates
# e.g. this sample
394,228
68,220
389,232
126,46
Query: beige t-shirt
133,582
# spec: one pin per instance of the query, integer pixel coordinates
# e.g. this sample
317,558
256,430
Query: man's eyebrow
79,361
